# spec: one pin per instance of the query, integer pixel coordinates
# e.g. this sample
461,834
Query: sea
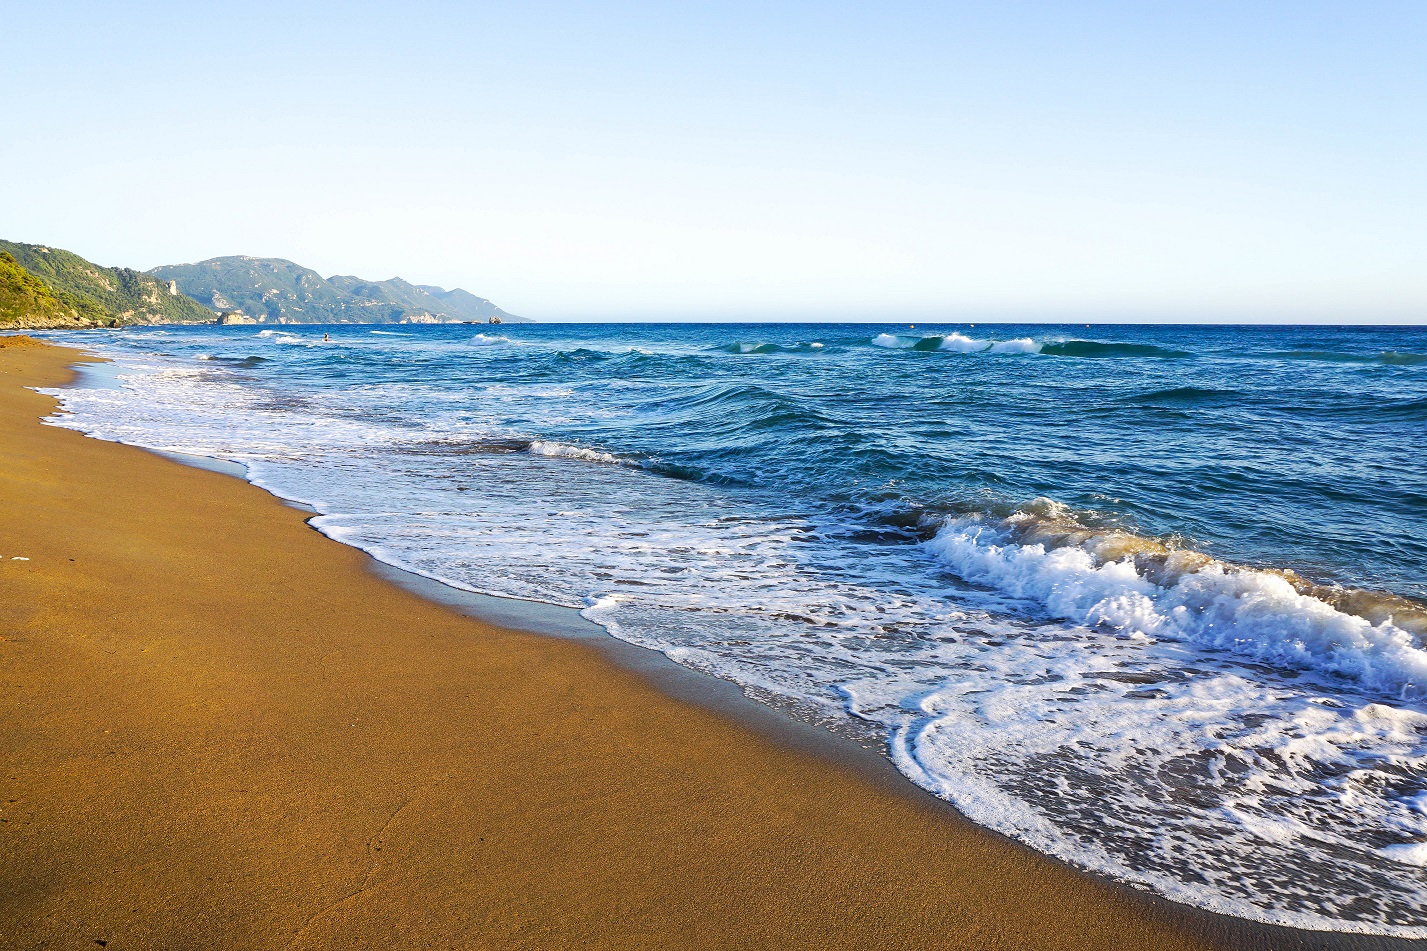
1149,599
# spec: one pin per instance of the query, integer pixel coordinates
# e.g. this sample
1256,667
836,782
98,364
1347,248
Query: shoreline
866,758
814,843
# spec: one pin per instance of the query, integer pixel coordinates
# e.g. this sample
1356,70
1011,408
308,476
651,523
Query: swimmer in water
326,338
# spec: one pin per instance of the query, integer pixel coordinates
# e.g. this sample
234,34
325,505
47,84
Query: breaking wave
1136,586
488,340
541,447
954,343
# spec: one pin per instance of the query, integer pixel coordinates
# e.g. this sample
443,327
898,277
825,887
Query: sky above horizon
932,161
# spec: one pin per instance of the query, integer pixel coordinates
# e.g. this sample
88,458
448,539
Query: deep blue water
1146,597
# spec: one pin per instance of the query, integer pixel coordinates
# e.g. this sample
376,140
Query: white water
1256,614
959,343
544,447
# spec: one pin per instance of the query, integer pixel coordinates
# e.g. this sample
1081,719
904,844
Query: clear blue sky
1180,161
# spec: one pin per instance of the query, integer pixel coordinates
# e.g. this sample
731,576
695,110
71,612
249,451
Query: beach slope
219,729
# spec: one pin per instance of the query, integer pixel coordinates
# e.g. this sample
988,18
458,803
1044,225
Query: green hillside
25,301
89,294
281,290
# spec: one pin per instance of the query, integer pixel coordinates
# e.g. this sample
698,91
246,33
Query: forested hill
25,301
42,286
276,289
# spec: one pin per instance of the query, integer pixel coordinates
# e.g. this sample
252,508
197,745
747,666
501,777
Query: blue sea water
1150,599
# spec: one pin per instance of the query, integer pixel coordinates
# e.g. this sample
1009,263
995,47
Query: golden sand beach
221,729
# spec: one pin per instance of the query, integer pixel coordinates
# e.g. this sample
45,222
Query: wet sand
219,729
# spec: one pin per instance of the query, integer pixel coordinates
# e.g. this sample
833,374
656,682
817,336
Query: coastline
225,729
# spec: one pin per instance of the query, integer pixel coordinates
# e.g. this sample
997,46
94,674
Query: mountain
49,287
280,290
464,302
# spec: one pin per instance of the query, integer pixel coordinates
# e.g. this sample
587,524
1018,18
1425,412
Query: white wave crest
488,340
960,343
541,447
956,343
1256,614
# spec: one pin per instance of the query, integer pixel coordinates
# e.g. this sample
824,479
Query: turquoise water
1147,598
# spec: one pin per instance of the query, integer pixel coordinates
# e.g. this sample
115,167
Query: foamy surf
1133,587
541,447
955,343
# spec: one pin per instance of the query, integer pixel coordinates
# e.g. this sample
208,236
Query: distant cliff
44,287
276,289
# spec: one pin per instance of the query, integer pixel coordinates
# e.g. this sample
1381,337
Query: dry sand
218,729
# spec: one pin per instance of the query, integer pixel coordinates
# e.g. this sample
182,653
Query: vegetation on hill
80,293
281,290
25,301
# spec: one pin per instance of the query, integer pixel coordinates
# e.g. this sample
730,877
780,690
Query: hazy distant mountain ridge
51,287
468,303
279,290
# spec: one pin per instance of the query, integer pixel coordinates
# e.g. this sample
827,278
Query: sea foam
544,447
955,343
1256,614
